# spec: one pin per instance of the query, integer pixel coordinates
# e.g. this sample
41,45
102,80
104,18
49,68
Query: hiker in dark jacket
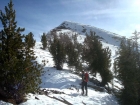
85,77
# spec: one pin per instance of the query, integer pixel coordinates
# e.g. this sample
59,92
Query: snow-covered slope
65,82
106,36
63,85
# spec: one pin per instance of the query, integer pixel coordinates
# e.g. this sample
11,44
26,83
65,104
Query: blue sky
38,16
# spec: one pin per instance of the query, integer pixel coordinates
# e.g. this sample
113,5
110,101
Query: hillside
108,39
63,87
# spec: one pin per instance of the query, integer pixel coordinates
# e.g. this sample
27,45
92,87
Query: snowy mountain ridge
81,29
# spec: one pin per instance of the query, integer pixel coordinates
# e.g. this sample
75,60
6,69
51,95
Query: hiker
84,82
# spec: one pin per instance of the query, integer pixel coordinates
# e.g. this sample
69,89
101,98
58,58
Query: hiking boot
82,94
86,93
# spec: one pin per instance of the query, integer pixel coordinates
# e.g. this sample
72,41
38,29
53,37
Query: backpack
86,77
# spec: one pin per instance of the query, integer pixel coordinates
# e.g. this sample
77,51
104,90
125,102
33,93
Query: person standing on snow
85,78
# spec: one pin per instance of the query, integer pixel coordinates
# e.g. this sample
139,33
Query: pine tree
72,54
58,53
29,40
105,66
19,72
97,58
72,51
135,39
44,41
115,68
127,73
90,52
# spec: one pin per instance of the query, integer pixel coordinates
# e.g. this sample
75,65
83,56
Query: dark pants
84,85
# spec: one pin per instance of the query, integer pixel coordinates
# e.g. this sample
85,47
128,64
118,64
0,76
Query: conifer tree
29,40
72,54
97,58
58,52
128,73
91,49
115,68
135,38
105,64
19,72
44,41
71,50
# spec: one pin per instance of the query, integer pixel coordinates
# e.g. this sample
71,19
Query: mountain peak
81,29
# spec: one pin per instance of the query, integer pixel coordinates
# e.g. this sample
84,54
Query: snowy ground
66,82
63,81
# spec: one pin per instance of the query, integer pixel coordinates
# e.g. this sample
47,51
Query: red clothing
86,77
